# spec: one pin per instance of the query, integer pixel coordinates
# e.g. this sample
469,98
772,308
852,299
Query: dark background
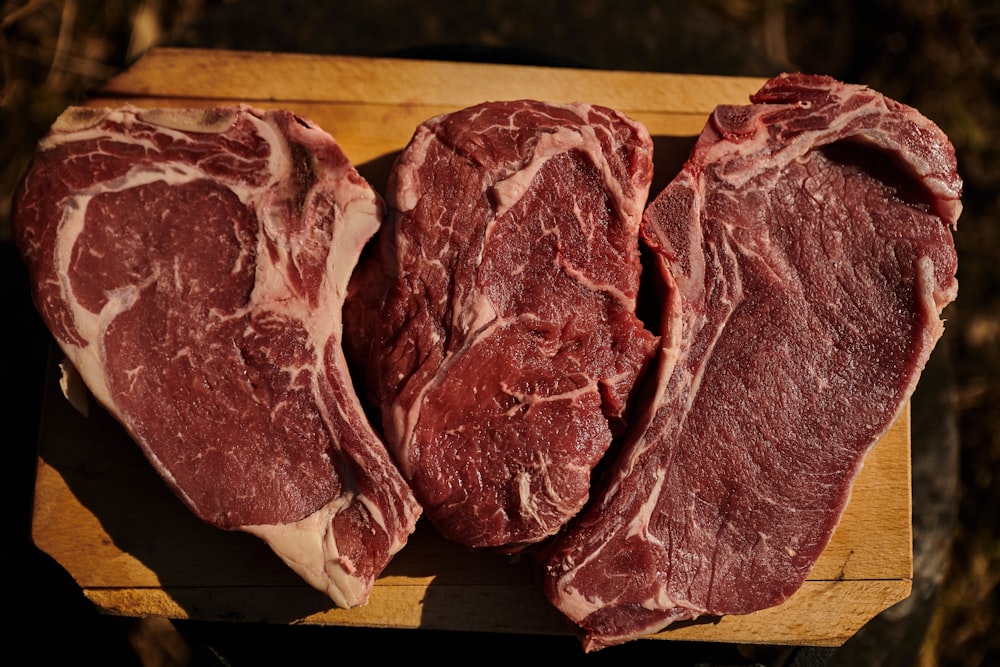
940,56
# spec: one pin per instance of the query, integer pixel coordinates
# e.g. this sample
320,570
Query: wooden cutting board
103,514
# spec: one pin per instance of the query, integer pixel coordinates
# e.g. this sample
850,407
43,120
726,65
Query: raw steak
807,255
501,311
192,265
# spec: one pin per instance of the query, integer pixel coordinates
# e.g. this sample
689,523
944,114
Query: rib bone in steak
192,265
807,252
501,311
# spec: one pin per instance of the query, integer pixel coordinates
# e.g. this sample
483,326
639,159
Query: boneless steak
192,266
501,339
807,253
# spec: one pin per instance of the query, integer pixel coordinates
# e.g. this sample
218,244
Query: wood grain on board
103,514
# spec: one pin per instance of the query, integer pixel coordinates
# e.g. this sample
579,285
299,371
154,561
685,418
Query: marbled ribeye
807,252
192,265
497,319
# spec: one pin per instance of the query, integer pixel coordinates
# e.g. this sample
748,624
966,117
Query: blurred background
941,56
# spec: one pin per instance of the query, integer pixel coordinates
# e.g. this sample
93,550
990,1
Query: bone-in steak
192,265
807,253
501,338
